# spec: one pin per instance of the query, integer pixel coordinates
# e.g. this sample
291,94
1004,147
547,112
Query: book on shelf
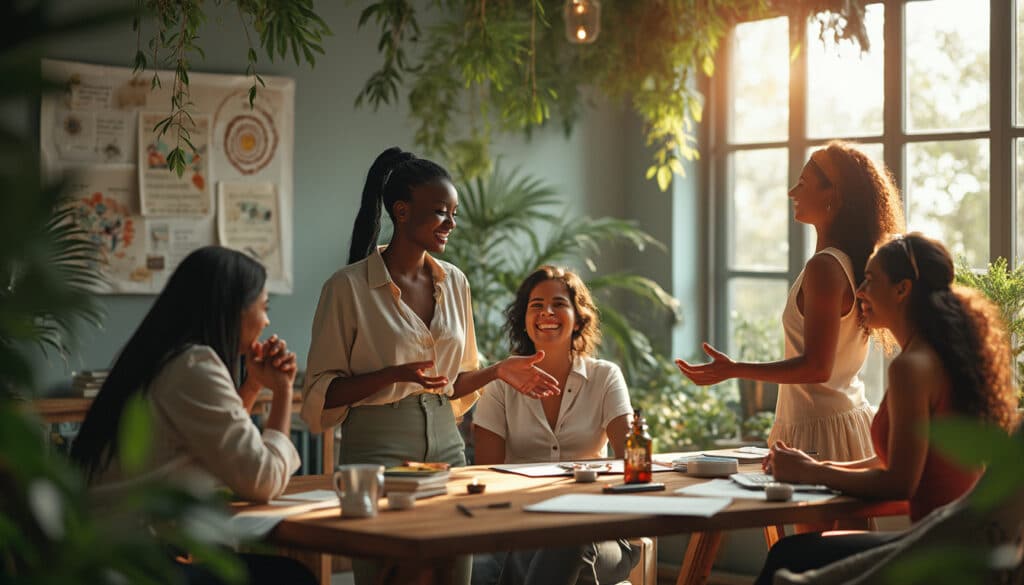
87,383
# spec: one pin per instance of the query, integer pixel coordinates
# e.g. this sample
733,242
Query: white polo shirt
362,325
594,395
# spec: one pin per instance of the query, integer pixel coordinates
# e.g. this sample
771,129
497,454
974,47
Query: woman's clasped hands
271,365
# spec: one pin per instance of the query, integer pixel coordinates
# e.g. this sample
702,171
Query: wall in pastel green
335,144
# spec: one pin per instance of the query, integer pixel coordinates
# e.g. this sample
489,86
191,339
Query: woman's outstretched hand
416,373
721,367
522,373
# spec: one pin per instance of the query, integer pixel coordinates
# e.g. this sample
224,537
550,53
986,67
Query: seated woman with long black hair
185,360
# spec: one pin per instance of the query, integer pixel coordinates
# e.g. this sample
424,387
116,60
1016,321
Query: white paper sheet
630,504
311,496
725,488
247,525
565,468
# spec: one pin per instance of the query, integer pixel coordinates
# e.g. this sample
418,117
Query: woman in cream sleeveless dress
831,417
853,206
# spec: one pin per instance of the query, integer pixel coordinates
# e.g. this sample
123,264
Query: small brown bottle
637,465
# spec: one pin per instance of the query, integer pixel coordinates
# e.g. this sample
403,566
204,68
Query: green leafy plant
284,28
509,224
757,426
756,340
681,416
1005,288
508,66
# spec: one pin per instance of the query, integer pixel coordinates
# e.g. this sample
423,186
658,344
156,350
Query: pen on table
467,511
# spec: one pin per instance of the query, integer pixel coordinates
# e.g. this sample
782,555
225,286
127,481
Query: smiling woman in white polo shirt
393,358
554,314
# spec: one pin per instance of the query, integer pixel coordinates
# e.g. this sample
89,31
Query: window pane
1019,146
948,195
1020,62
842,79
947,65
760,81
755,318
759,210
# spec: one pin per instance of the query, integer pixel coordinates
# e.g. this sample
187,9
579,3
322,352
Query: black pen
467,511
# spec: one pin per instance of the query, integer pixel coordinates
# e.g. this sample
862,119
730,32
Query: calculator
757,481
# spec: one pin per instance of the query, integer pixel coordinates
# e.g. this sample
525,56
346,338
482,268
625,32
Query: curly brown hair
587,335
870,207
960,323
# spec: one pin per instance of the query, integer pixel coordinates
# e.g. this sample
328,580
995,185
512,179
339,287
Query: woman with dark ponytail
955,361
393,357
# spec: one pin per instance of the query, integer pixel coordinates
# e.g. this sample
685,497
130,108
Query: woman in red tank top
954,361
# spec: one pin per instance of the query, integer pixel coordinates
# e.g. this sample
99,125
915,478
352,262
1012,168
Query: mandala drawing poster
163,192
249,220
104,202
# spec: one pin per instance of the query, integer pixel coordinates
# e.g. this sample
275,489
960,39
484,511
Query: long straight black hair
201,304
392,177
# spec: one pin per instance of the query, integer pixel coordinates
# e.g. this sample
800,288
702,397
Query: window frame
1004,130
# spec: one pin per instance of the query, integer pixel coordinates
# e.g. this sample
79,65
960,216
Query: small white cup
778,492
585,475
358,488
401,500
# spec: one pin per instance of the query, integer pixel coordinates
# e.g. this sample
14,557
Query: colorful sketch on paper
109,223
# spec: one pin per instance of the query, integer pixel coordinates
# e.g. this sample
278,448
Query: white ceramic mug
358,487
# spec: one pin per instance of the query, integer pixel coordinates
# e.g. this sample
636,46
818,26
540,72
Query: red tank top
941,480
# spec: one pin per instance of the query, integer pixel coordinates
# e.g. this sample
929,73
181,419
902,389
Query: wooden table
427,537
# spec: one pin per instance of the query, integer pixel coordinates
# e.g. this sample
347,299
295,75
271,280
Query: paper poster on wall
94,137
248,220
247,139
169,240
164,193
105,204
148,217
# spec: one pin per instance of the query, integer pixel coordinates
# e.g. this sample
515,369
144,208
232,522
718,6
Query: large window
937,98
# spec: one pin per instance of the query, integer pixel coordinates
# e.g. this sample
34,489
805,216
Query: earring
828,206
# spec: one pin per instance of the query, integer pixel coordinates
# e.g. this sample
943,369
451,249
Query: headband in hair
824,161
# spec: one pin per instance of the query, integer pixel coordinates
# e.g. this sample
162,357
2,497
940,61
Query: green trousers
420,427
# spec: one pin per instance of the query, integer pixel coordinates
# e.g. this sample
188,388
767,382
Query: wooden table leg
700,555
773,534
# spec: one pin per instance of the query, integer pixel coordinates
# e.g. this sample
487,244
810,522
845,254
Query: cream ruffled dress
833,418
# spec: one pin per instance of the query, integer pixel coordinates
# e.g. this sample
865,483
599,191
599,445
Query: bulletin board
236,191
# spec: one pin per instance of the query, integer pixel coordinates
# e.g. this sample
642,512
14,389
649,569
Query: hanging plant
509,66
283,29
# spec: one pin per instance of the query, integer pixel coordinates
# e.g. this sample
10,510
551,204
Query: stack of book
419,479
87,383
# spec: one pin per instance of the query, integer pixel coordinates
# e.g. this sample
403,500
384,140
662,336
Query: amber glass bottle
637,466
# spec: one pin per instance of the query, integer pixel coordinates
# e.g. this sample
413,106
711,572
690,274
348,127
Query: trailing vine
508,66
284,28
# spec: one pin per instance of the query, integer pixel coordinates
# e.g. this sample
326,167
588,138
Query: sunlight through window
760,94
947,65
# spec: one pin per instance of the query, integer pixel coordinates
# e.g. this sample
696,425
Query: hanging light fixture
582,21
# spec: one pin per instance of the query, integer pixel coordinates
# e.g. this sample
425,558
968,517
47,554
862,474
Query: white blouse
362,325
594,395
204,437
